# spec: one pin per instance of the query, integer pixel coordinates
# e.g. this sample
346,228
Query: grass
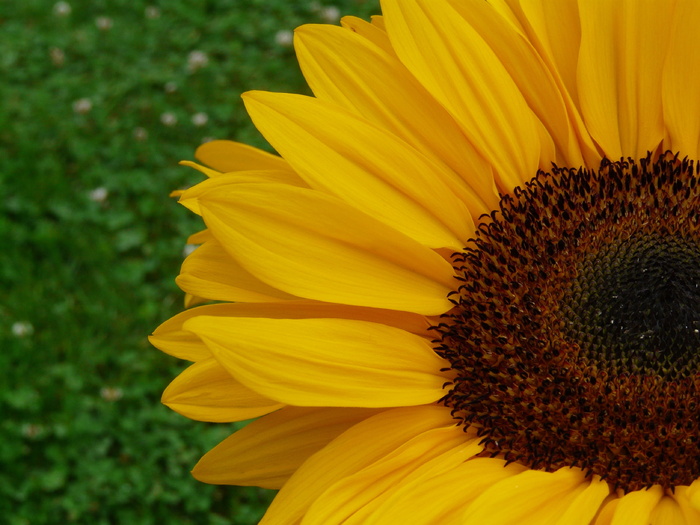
92,244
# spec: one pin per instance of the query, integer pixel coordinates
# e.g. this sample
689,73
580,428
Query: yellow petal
227,156
533,497
586,504
312,245
325,362
681,78
210,272
302,309
378,436
189,198
170,338
636,507
455,64
370,31
667,512
200,237
268,451
536,81
690,512
350,499
371,169
344,68
439,495
623,47
555,30
207,392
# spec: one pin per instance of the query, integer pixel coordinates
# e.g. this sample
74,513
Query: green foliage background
92,278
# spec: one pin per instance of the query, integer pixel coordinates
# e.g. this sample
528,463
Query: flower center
575,335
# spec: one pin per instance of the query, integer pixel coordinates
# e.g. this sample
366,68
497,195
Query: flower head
466,290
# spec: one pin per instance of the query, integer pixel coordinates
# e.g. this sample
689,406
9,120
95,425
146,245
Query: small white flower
284,38
140,134
197,60
32,430
200,119
170,87
22,329
152,12
109,393
188,249
58,57
61,9
168,118
82,106
99,194
330,14
103,23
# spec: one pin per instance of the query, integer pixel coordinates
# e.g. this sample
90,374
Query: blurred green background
99,100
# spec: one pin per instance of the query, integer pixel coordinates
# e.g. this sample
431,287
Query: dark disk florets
575,335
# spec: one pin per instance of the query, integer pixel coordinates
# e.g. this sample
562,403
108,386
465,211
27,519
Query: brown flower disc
575,335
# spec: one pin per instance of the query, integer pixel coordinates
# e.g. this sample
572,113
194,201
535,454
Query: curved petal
534,79
189,197
351,499
667,512
371,31
266,452
439,495
210,272
227,156
636,507
455,64
681,78
207,392
325,362
371,169
275,232
532,497
380,435
301,309
623,46
690,512
344,68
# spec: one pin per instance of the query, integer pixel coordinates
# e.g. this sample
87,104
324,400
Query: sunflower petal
350,499
530,498
266,452
620,100
681,78
347,258
346,69
534,79
374,171
227,156
380,435
454,63
325,362
210,272
636,507
206,392
440,494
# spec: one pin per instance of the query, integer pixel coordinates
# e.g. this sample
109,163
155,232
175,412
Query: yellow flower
467,289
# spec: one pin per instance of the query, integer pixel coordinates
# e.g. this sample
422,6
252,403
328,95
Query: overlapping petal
325,362
274,232
453,62
207,392
269,450
378,174
344,68
380,435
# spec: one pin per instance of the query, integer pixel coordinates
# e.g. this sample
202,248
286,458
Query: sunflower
467,289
